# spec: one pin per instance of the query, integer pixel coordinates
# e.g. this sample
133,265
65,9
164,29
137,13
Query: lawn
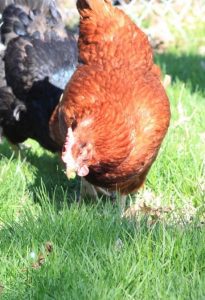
53,248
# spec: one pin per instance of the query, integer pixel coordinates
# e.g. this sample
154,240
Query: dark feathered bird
38,60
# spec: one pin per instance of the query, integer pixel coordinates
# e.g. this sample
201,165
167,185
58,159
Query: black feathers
39,58
10,107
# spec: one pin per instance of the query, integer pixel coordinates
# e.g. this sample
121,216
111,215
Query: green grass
96,254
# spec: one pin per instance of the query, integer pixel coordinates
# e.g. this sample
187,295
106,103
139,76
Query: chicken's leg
87,189
18,149
1,134
122,201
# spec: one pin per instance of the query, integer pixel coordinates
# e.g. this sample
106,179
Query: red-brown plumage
115,103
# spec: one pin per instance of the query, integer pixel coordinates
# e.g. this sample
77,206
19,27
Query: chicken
115,112
38,60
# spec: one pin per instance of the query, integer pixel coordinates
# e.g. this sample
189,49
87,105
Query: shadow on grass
47,173
188,68
50,178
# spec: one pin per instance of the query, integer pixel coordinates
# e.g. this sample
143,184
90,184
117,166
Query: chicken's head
76,154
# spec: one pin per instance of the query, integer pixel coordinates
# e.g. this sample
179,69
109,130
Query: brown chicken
114,113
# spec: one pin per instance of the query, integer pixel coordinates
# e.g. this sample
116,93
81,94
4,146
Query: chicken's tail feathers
32,4
99,7
20,18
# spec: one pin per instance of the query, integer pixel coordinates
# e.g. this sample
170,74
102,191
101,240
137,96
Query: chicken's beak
71,174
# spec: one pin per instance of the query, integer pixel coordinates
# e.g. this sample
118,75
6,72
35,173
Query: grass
88,262
95,253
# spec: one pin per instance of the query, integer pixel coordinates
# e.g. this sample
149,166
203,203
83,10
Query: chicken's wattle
72,167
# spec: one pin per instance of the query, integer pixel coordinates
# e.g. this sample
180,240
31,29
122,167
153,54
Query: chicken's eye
74,125
83,149
83,145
